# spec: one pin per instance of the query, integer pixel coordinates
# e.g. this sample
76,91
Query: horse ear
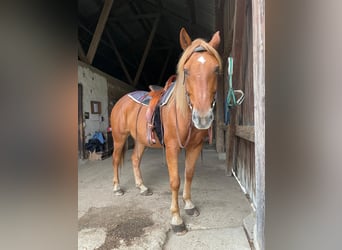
215,40
184,39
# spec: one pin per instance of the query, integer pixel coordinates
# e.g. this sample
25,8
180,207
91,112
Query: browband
199,49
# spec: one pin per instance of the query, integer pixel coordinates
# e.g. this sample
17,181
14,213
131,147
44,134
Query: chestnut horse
186,119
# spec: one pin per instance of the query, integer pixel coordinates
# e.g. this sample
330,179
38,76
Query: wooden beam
104,43
258,19
81,53
245,132
99,29
147,49
137,11
239,25
117,53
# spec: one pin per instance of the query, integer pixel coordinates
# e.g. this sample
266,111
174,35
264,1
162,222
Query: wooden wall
240,132
245,157
245,135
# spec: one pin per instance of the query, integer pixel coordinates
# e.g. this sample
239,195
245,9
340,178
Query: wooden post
219,130
99,29
258,17
239,25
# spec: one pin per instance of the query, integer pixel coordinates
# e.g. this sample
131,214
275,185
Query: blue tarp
99,136
96,143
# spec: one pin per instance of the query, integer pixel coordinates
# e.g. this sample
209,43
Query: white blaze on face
201,59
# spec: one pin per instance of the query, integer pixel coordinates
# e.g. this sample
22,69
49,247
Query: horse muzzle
202,121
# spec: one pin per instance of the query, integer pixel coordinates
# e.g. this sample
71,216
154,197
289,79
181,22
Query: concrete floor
133,221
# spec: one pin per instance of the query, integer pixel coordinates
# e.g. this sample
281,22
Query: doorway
81,151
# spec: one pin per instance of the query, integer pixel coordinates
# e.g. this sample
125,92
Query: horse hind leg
136,160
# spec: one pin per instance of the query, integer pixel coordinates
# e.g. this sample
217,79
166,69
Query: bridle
185,73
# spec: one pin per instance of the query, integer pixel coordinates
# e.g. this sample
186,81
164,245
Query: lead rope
231,99
177,131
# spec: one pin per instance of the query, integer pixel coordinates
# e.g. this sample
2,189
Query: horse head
200,66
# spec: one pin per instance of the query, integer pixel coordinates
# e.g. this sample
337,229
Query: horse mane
179,91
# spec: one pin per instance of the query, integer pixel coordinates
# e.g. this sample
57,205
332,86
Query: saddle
156,93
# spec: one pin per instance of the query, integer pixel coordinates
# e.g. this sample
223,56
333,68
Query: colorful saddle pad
143,98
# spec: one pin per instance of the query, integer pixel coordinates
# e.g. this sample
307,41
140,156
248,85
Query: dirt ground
133,221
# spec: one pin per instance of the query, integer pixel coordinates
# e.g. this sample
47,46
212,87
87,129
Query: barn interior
139,43
126,45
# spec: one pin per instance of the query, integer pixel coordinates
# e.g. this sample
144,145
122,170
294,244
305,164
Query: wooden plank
117,53
147,49
239,24
81,137
258,18
219,132
99,29
245,132
231,143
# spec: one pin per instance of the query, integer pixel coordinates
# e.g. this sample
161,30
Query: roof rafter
147,48
122,64
99,29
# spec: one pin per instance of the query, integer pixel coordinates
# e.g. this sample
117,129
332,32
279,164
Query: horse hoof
118,192
192,211
147,192
179,229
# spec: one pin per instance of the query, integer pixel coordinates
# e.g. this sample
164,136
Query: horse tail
122,156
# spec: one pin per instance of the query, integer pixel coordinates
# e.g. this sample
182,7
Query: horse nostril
211,116
202,121
194,117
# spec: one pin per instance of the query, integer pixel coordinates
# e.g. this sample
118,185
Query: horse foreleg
117,158
192,154
177,223
136,159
